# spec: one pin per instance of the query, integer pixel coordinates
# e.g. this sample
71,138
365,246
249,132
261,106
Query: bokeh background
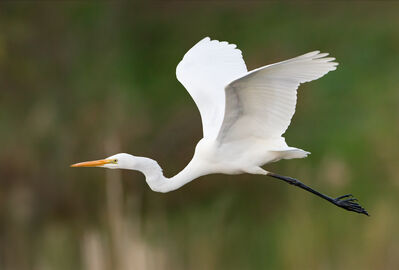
82,81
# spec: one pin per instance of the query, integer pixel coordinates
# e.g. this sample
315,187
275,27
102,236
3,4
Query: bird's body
246,157
244,115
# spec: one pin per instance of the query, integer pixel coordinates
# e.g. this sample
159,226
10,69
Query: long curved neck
158,182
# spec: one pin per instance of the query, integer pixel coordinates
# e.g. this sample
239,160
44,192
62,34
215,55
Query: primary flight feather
244,115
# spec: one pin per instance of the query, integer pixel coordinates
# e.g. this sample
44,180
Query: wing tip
317,55
205,39
309,54
223,43
321,58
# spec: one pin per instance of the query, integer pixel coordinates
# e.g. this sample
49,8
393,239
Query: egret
244,115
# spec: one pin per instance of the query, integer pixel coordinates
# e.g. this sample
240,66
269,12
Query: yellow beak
94,163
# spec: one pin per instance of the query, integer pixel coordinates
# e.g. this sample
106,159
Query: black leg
347,202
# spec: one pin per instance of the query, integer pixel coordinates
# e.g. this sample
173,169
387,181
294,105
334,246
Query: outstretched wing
205,71
262,103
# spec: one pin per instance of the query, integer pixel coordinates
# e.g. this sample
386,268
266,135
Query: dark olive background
82,81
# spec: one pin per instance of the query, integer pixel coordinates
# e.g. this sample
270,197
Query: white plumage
206,69
244,115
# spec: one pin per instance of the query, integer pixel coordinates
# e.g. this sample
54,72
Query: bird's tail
292,152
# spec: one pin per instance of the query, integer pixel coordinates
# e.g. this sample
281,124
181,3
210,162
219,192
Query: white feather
261,103
204,71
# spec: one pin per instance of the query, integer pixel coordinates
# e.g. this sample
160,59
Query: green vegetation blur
82,81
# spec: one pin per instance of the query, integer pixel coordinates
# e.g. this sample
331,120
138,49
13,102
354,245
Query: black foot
348,202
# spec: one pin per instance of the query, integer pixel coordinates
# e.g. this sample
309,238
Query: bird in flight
244,115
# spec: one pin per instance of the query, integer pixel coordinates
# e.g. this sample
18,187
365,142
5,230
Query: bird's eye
115,161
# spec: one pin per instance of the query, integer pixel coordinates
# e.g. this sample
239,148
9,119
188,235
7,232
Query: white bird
244,115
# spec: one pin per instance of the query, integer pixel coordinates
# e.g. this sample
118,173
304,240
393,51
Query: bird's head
118,161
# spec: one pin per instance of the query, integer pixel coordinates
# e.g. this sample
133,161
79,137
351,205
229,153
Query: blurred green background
82,81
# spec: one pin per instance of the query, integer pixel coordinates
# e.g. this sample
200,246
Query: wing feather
262,103
204,71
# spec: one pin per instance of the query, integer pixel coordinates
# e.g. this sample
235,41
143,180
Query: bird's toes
351,200
344,196
350,204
